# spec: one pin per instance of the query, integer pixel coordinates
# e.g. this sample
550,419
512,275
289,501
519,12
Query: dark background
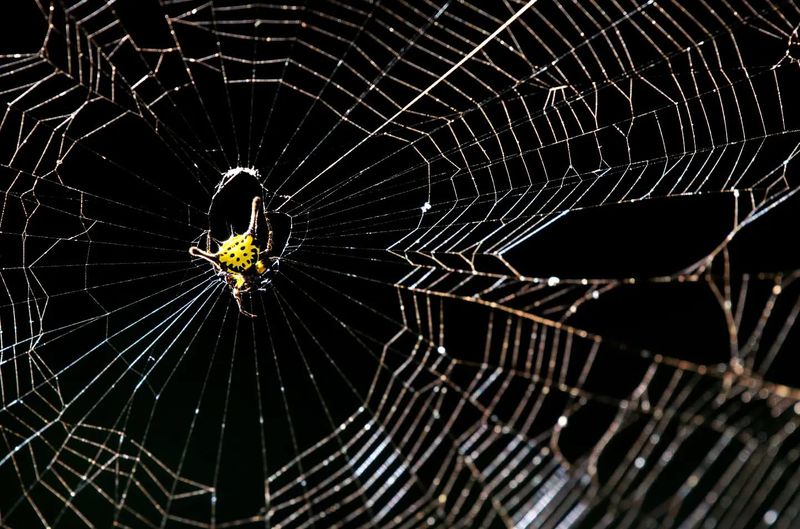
97,225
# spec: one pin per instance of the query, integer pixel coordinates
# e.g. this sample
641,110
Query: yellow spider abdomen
238,253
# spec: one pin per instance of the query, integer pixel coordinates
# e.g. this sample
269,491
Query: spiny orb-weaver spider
239,260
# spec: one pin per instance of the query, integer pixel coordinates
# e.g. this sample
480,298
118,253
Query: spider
239,260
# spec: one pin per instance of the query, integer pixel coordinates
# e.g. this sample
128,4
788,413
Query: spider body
239,259
239,254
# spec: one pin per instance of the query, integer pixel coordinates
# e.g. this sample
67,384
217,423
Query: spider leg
208,240
208,256
254,215
269,234
237,295
254,222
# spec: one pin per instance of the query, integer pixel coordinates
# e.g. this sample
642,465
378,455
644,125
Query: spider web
540,270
